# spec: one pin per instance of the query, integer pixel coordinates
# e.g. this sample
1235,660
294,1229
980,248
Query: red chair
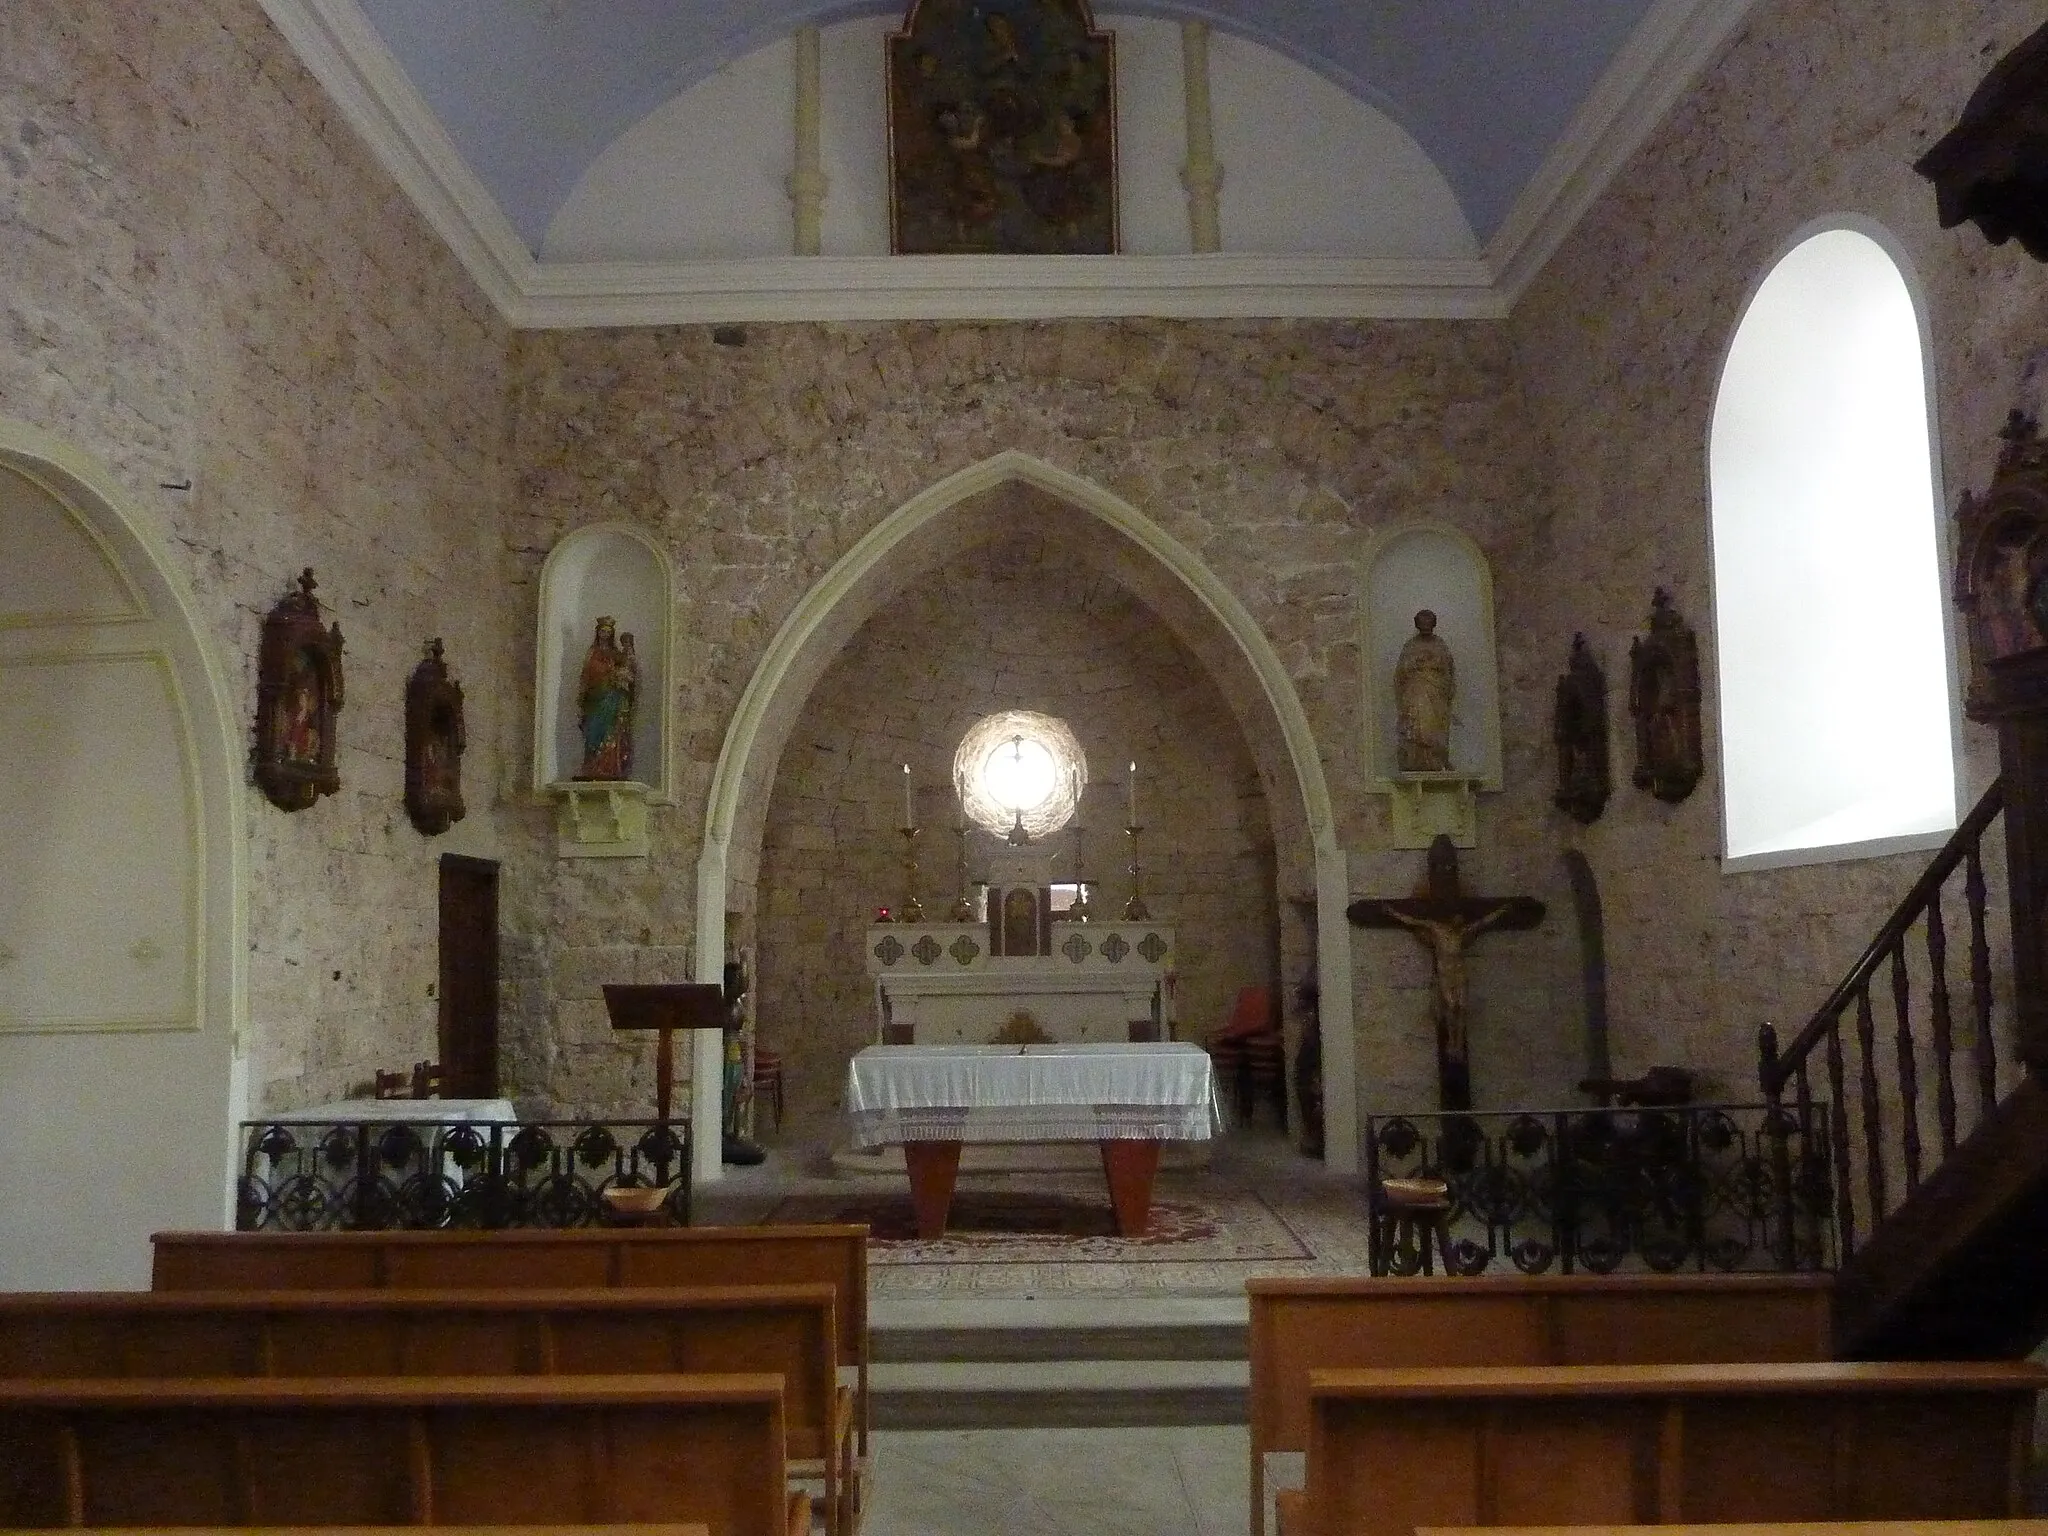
1249,1054
768,1079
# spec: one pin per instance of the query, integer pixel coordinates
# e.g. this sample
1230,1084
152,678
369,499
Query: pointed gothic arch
819,625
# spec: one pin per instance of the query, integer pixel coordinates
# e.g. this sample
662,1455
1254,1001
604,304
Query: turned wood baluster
1943,1033
1838,1134
1803,1097
1909,1069
1873,1116
1980,984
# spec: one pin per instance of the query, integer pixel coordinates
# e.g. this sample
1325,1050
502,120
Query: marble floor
1060,1482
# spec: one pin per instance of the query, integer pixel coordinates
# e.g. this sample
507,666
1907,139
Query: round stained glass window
1020,766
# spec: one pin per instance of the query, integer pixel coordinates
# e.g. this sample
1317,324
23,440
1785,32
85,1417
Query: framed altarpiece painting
1002,130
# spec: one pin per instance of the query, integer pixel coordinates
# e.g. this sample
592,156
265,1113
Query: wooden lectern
666,1009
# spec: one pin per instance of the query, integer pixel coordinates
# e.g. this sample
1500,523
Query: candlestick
913,909
963,907
909,806
1078,912
1132,819
1135,910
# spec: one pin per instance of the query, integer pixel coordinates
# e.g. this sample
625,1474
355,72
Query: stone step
1023,1363
1163,1328
1016,1394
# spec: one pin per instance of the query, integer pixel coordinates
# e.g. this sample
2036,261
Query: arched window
1837,732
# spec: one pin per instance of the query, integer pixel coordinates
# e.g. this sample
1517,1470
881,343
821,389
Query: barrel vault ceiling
489,111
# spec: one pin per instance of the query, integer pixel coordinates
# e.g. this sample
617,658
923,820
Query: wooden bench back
1303,1325
785,1330
528,1260
409,1451
1390,1450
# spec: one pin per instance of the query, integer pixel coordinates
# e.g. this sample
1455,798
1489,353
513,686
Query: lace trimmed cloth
990,1093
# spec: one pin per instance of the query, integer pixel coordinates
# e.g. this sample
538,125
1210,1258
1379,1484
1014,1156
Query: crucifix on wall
1446,922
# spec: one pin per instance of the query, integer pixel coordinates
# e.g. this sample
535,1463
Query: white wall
118,994
1307,169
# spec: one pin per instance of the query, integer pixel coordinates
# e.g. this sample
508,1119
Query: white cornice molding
1667,52
336,42
829,288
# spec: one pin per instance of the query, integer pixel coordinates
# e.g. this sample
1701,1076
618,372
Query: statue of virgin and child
605,698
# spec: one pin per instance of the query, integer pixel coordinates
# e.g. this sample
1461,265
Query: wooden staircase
1944,1262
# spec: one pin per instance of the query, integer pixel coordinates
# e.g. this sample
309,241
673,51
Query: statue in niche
1664,698
1425,683
605,699
1580,729
2001,577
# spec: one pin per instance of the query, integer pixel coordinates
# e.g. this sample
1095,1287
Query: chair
1248,1052
768,1079
1411,1223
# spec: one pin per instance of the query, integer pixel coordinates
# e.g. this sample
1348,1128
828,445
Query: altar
1095,982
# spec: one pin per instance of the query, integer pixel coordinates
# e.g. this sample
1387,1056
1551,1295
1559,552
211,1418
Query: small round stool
1411,1217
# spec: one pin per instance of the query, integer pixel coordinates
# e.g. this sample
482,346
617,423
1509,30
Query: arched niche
608,570
121,923
1407,569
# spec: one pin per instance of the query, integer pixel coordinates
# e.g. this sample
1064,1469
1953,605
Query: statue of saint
605,697
1425,681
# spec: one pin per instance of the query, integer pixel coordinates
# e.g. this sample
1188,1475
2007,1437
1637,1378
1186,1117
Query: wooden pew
1783,1528
626,1528
410,1451
783,1329
450,1260
1390,1450
1299,1325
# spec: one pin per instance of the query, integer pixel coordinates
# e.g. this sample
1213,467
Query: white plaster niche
613,571
1408,569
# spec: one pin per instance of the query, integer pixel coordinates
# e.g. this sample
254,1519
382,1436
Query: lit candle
1133,819
909,812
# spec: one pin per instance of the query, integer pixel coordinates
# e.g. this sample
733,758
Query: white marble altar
937,983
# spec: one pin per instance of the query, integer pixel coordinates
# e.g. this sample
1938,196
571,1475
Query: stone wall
1024,623
1620,345
1272,451
212,289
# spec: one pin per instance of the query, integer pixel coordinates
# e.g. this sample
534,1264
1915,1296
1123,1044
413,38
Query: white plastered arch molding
810,625
165,1100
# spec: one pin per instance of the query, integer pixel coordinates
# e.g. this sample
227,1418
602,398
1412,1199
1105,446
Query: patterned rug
1047,1218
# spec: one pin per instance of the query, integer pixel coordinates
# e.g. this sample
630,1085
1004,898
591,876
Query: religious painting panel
435,739
1664,699
298,694
1002,130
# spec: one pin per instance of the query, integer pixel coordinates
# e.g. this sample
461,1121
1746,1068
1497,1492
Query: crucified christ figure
1446,939
1447,922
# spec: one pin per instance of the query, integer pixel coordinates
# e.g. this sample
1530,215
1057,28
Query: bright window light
1836,726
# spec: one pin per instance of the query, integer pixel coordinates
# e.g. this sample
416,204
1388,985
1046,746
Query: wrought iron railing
1703,1187
312,1176
1873,1073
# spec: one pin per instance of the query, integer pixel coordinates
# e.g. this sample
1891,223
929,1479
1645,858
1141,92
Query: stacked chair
1249,1053
668,1380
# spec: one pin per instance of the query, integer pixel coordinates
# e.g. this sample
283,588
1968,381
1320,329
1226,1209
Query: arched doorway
1215,622
120,947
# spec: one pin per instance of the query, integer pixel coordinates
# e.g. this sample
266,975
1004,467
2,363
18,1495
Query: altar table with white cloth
929,1099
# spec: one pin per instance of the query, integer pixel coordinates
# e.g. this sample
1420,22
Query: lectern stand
666,1009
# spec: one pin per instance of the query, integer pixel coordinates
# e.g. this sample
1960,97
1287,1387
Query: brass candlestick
1078,912
963,906
913,909
1135,910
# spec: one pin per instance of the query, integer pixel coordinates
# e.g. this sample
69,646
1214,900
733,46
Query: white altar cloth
380,1111
1008,1093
